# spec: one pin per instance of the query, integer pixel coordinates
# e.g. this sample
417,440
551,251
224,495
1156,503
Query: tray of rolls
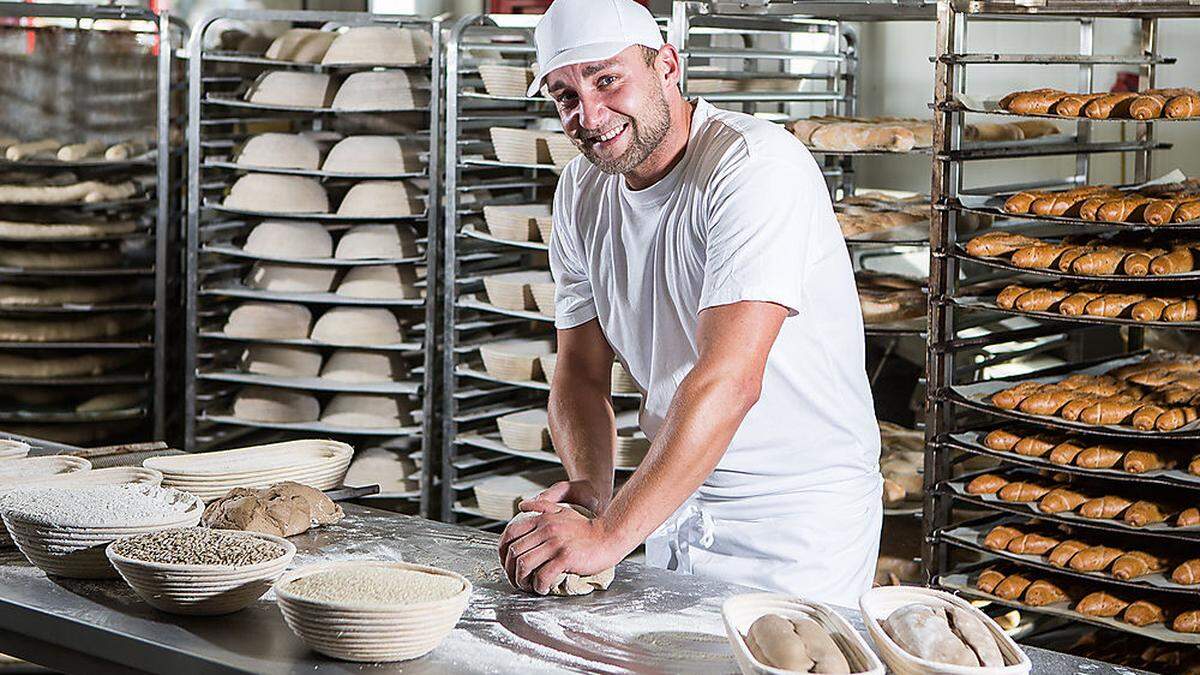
1152,462
1142,394
1126,561
1059,251
1071,500
1171,202
1134,610
1092,303
1164,104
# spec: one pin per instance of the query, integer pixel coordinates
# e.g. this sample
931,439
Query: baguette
1103,262
1010,398
1101,604
1046,402
1110,105
1071,411
1187,572
1041,299
1143,613
1008,296
1112,305
1126,209
1041,593
1021,201
1034,102
1095,558
995,244
1136,564
1038,256
1060,556
1111,410
1075,304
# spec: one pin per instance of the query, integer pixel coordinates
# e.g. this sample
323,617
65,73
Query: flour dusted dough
88,192
372,155
277,194
301,45
289,88
294,278
262,404
63,330
19,151
366,410
119,400
348,365
352,326
32,258
281,361
289,239
573,584
381,198
281,151
372,242
385,282
77,151
38,296
269,320
380,45
284,509
16,231
391,470
382,90
61,366
125,150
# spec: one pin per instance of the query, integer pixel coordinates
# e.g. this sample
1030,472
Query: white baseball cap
579,31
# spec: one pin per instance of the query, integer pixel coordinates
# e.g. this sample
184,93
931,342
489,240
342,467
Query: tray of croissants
1123,256
1160,104
1169,202
1153,462
1124,560
1141,394
1147,612
1074,500
1094,303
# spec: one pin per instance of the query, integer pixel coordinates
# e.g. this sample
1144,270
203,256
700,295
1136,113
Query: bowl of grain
372,610
196,570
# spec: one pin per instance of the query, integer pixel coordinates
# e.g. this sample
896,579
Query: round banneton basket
77,551
741,611
878,603
202,589
371,633
10,449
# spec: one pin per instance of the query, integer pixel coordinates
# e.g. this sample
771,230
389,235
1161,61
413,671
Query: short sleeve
574,304
761,215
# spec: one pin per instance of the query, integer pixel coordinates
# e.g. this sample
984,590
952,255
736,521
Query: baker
698,247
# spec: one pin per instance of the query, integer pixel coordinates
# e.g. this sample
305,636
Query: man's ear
669,65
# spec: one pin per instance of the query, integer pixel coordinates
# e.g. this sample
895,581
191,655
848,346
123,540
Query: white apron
819,546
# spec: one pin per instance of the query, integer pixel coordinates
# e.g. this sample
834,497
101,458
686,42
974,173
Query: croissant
1187,622
1010,398
1104,262
1104,508
1143,613
999,536
1007,298
1071,105
1101,603
1012,587
1188,518
1095,558
1184,310
1099,457
1150,309
1060,500
1046,402
1146,416
1142,513
1041,299
995,244
1122,210
1187,573
986,484
1176,418
1112,410
1187,105
1031,544
1035,102
1136,564
1112,305
988,579
1186,212
1001,439
1033,446
1020,491
1041,593
1110,105
1065,453
1075,304
1141,461
1060,555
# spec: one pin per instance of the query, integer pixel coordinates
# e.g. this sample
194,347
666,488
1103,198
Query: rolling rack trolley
90,281
1118,459
220,266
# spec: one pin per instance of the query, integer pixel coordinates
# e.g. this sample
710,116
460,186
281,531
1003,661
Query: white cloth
744,216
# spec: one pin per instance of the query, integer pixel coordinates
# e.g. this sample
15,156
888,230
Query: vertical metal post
430,385
192,241
163,194
1087,80
677,34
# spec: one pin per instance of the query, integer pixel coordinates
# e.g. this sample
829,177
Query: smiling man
698,247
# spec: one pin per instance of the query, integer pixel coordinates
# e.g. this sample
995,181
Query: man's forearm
707,410
583,428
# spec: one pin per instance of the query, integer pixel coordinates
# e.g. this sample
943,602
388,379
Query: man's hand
559,540
579,492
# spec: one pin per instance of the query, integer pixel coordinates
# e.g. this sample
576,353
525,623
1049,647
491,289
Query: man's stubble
648,131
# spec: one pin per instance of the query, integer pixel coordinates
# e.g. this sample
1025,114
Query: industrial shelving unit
61,62
960,410
217,261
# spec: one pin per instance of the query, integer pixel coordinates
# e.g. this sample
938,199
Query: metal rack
62,58
959,406
217,261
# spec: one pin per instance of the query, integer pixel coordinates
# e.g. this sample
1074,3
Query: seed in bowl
375,586
199,546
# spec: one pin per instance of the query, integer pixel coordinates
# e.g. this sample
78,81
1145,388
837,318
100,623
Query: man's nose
591,111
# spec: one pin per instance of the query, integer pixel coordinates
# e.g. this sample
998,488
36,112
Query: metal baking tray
398,347
229,102
913,234
476,233
241,291
78,380
72,308
311,383
135,235
67,416
972,442
235,251
479,374
970,536
234,166
990,105
87,207
94,272
977,303
960,582
259,60
219,208
914,327
313,427
471,301
495,163
993,205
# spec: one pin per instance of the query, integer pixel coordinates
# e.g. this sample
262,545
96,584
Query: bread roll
1095,558
986,484
1143,613
1041,593
1031,544
1102,604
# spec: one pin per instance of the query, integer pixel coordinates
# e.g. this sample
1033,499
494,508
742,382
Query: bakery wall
896,79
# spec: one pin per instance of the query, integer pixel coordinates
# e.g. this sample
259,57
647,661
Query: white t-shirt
745,215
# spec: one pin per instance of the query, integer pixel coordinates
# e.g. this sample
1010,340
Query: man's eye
606,80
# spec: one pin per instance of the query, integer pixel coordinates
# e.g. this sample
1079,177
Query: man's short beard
646,134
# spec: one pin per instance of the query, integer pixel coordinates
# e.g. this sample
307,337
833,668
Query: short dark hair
648,54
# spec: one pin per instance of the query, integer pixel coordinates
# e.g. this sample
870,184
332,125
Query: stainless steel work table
648,621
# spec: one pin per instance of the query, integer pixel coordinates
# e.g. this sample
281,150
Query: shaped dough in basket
384,282
290,88
382,90
373,242
366,410
281,361
269,320
372,155
277,194
281,151
291,278
301,45
380,45
263,404
357,326
382,198
289,239
348,365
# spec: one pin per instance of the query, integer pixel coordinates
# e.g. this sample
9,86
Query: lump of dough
372,155
568,583
773,641
382,199
924,632
280,151
826,655
382,90
289,88
388,282
353,326
976,635
366,242
263,404
284,509
277,194
289,239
